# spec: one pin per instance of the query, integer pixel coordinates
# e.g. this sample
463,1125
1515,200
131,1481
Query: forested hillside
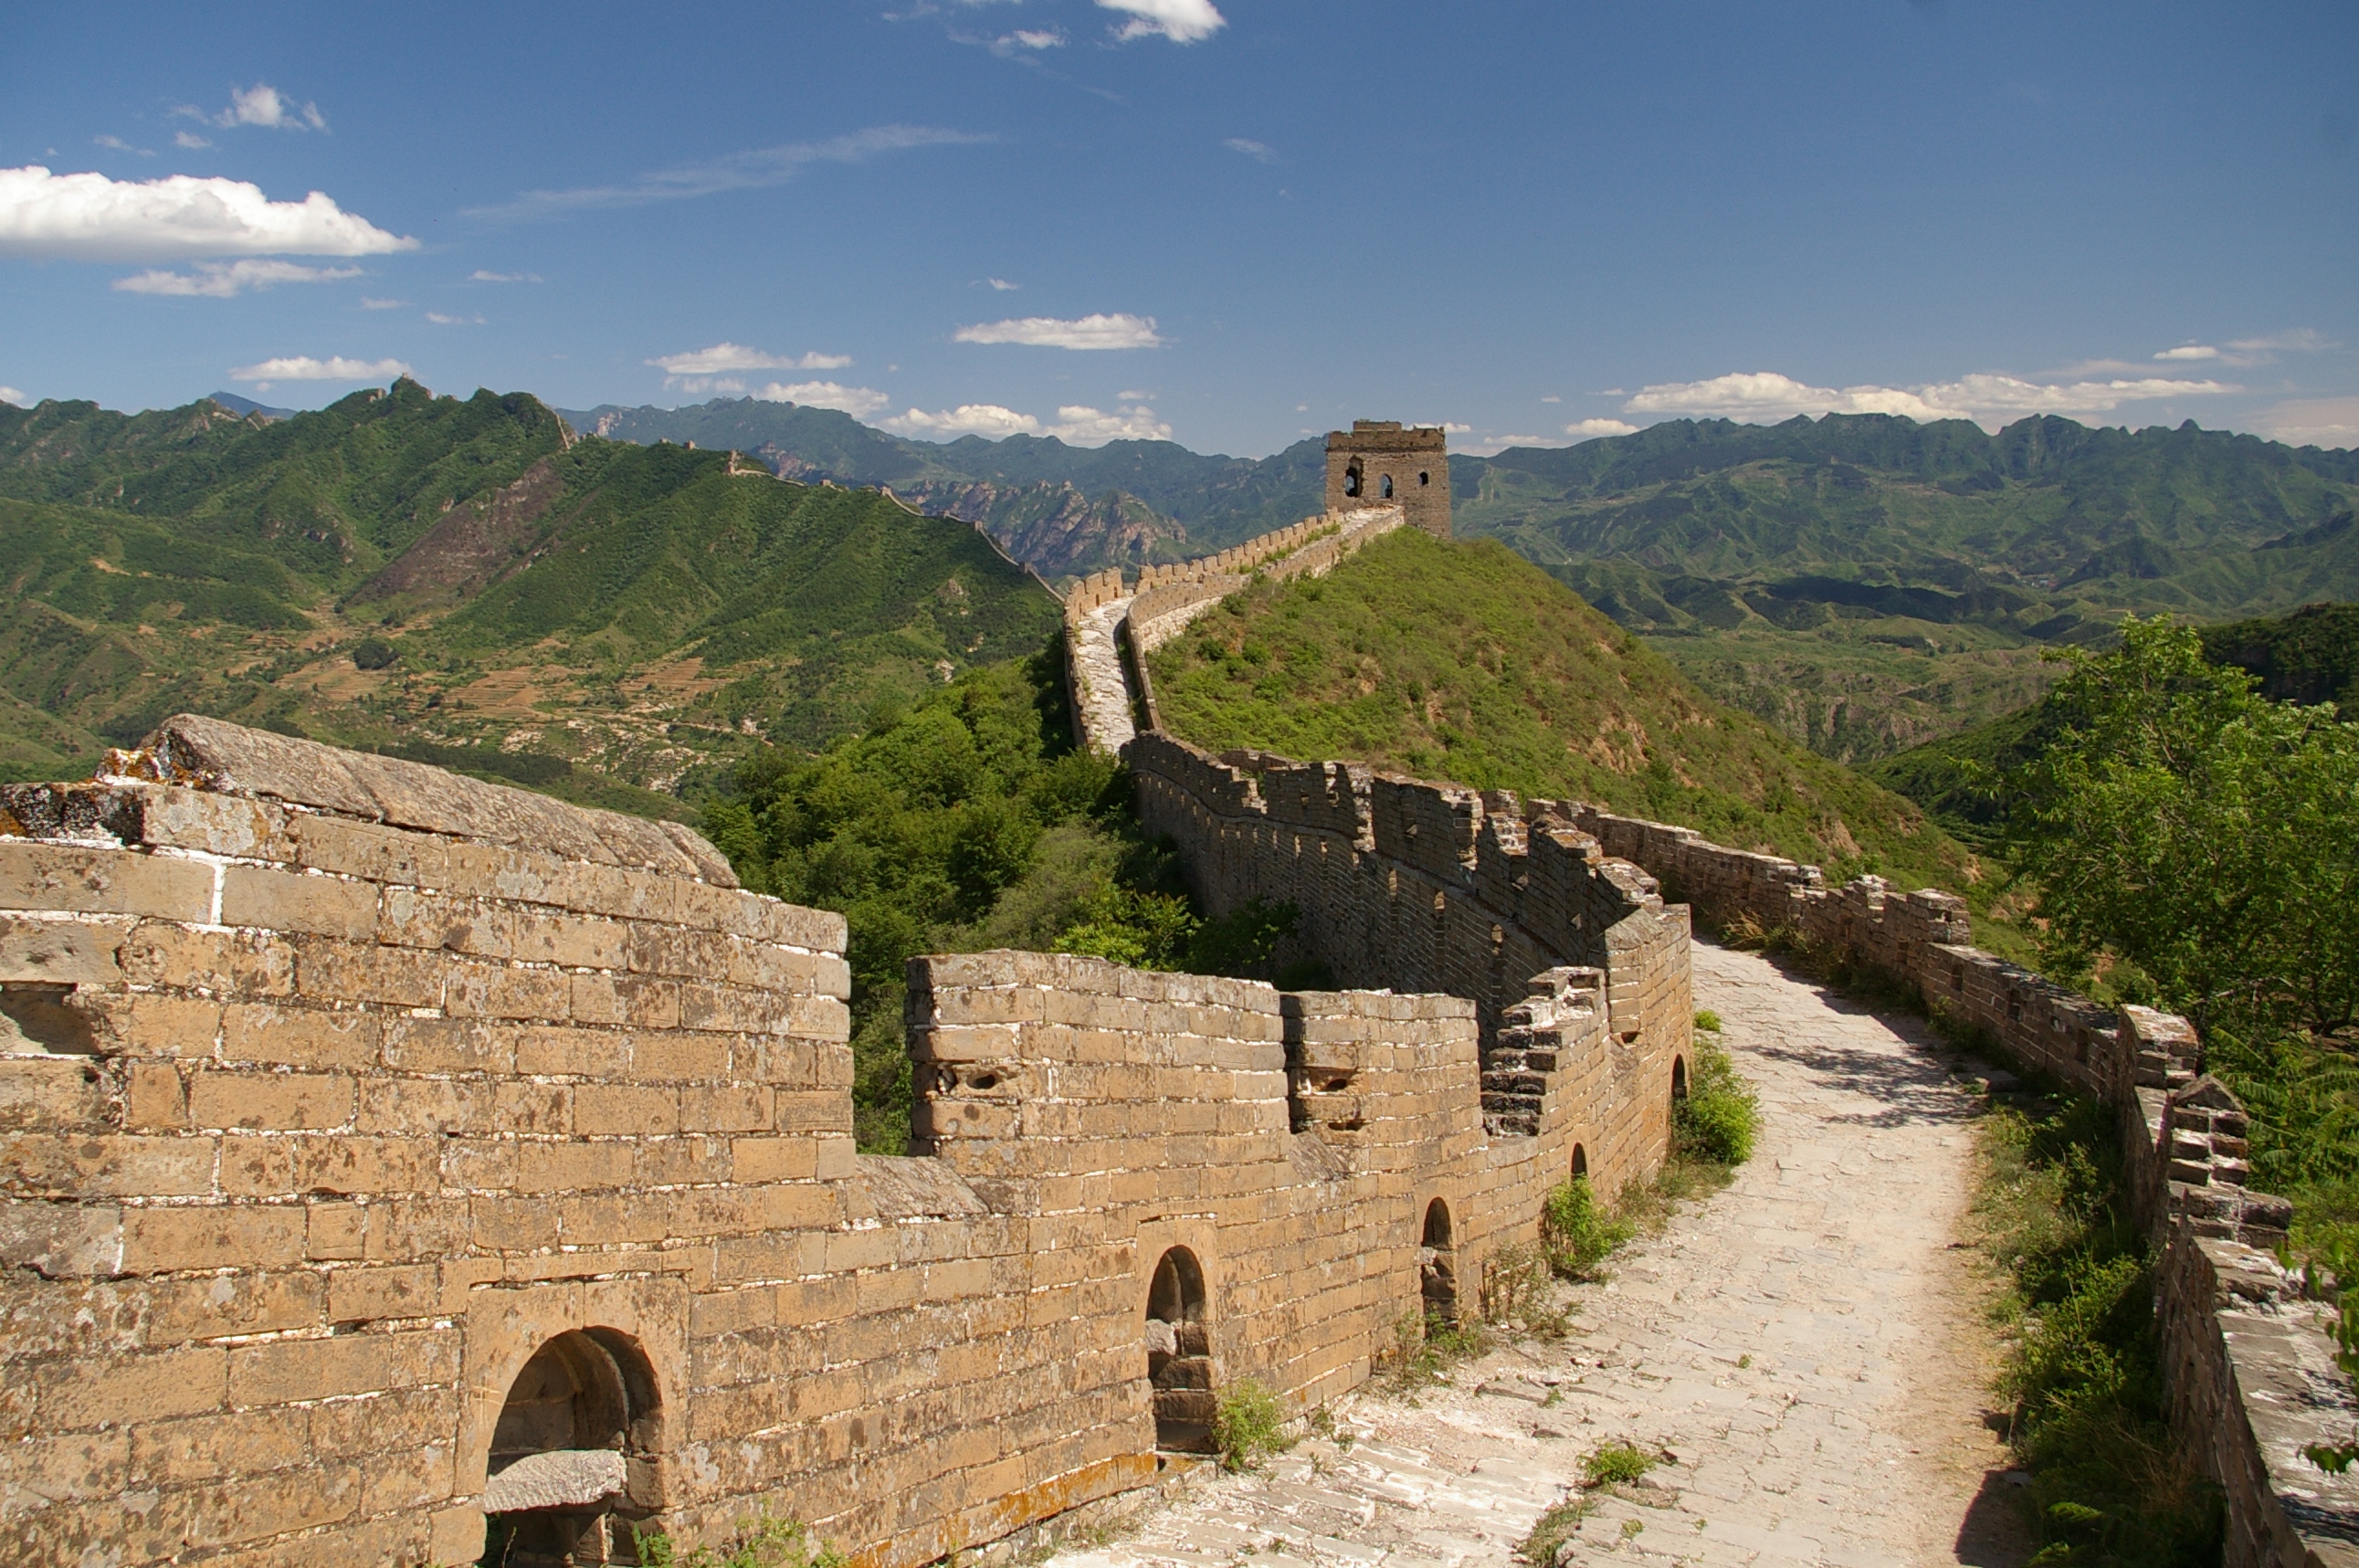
464,582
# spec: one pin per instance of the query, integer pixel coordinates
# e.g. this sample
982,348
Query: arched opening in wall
1580,1163
1424,476
1679,1077
1389,487
560,1471
1352,480
1180,1355
1437,1268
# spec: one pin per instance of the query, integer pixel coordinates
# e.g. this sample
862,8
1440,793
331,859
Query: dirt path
1807,1343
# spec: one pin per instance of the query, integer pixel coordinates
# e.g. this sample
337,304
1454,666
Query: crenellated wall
381,1150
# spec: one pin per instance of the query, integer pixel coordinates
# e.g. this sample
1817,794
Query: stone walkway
1806,1344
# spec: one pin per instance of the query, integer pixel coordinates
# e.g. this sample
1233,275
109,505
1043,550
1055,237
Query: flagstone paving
1807,1343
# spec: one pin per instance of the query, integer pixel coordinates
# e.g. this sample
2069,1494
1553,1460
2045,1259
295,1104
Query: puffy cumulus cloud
303,367
262,104
223,280
1078,426
2313,421
1096,331
1590,429
1766,398
10,395
988,420
858,401
88,217
725,356
1260,152
1181,21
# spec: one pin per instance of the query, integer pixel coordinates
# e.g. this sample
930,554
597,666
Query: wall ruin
1379,462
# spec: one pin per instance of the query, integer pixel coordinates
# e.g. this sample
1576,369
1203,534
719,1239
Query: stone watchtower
1379,461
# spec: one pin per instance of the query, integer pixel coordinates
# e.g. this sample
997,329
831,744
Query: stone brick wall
1427,887
348,1109
2249,1374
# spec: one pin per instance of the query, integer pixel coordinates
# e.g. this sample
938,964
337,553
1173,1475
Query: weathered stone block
103,881
61,952
276,1100
295,901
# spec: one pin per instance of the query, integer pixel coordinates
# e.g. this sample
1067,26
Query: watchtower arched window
1580,1163
1180,1355
1424,476
1437,1268
560,1472
1352,479
1678,1078
1389,487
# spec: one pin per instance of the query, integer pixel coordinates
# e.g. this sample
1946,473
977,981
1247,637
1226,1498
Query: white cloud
481,275
1766,398
440,320
1096,331
1552,398
118,145
967,420
2189,351
1028,37
10,395
88,217
726,356
1259,152
1590,429
303,367
1451,427
191,140
1134,397
1181,21
224,279
262,104
2313,421
858,401
369,304
738,171
2301,339
1001,285
1078,426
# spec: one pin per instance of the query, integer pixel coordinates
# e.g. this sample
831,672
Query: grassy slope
1464,662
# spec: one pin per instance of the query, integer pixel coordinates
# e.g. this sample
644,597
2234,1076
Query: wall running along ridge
380,1149
2249,1375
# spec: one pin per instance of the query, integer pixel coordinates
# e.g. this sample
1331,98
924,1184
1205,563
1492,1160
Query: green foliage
1555,1530
1247,1422
2310,657
1577,1232
1719,1116
2181,822
1707,1020
764,1543
1617,1463
373,653
2108,1483
1461,661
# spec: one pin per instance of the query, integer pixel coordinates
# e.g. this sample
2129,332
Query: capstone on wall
381,1150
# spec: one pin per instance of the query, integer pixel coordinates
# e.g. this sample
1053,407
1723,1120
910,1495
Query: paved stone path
1106,686
1807,1343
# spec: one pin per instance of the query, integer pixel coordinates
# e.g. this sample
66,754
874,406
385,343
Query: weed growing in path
767,1542
1245,1424
1617,1465
1554,1531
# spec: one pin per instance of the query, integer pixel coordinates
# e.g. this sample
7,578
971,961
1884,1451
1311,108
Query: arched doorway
1180,1355
1437,1268
1679,1077
1580,1163
560,1471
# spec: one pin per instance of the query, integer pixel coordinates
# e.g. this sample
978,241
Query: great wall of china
387,1151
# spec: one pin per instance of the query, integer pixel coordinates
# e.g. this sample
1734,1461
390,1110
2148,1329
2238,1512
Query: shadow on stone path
1808,1343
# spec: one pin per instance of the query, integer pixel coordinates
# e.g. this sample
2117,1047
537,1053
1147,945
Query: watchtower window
1388,486
1580,1163
558,1488
1678,1078
1437,1269
1424,476
1352,480
1180,1355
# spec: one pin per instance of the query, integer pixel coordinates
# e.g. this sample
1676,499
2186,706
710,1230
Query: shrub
1245,1424
1708,1022
1718,1120
1577,1233
373,653
767,1542
1617,1463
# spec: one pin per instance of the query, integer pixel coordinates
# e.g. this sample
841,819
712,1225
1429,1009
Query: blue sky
1229,220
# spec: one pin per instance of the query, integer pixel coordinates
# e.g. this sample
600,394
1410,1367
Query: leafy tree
2180,822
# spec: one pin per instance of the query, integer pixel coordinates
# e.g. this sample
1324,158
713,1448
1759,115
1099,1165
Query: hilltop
463,582
1462,661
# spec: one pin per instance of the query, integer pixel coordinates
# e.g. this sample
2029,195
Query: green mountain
1865,581
465,581
1461,660
1123,504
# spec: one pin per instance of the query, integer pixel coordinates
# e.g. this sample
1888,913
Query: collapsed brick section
369,1163
2249,1376
1430,887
